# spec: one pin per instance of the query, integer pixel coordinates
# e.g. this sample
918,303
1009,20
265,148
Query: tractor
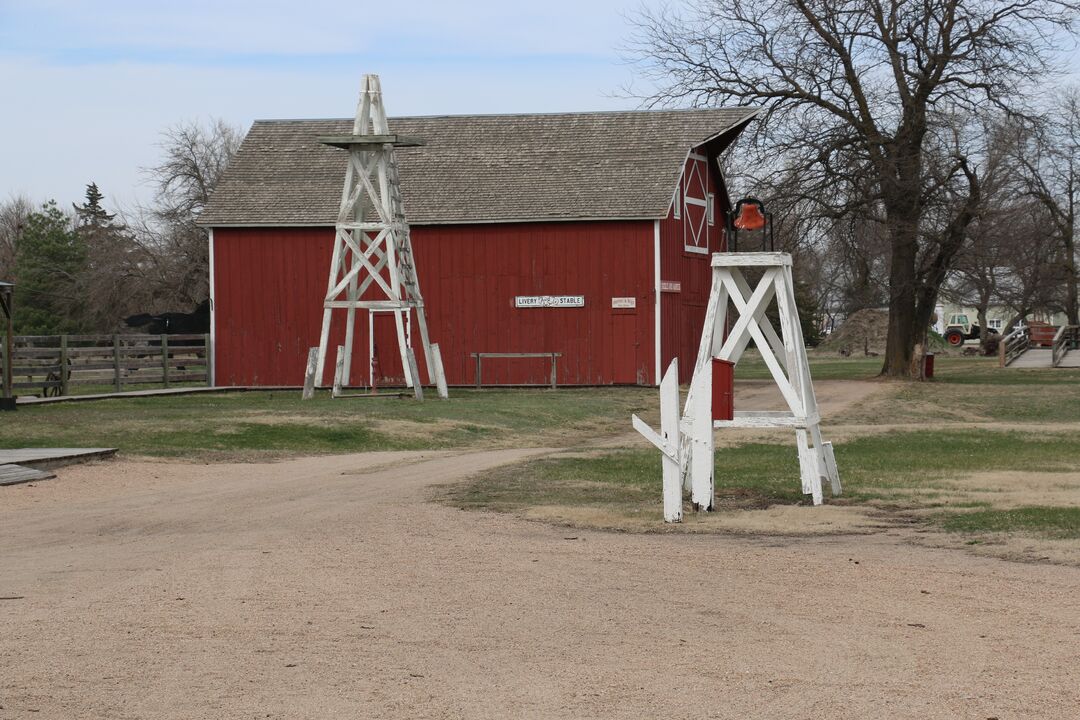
960,329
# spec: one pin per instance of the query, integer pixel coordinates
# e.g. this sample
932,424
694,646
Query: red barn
584,234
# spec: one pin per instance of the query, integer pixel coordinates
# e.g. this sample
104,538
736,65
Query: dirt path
326,588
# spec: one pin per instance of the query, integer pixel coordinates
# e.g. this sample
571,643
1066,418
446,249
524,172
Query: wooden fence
1013,346
54,364
1067,338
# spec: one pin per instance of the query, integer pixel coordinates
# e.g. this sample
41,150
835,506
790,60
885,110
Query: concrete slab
153,392
52,457
15,474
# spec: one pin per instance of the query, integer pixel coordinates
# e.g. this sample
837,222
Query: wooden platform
1039,357
15,474
41,458
1033,358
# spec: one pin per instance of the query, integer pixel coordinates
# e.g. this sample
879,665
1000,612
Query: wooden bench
554,356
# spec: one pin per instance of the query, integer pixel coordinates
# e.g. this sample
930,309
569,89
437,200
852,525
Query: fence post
309,374
116,361
64,370
207,358
165,360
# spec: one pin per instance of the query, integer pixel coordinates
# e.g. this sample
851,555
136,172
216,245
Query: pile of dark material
174,323
863,332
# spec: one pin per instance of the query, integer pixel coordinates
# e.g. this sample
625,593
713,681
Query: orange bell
750,216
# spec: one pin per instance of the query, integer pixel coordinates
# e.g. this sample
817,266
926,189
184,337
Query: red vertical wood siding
270,282
682,313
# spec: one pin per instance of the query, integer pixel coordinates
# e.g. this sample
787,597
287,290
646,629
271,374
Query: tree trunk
901,339
984,331
926,297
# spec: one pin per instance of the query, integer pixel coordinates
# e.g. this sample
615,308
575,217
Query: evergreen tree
49,259
111,284
91,213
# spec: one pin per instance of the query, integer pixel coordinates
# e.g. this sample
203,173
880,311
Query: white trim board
656,310
213,317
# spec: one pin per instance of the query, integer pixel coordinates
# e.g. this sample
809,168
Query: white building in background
996,316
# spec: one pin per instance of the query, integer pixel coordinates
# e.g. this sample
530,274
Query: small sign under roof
549,301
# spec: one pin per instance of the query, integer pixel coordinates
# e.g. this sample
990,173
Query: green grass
1030,403
618,479
899,468
1059,523
964,389
279,423
985,371
752,475
874,465
948,370
752,367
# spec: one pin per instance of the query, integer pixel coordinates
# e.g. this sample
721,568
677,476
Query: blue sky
88,86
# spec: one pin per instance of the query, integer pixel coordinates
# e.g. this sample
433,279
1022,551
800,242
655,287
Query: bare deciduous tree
860,93
13,214
195,156
1047,154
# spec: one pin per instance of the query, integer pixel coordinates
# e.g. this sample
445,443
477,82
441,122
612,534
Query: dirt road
327,588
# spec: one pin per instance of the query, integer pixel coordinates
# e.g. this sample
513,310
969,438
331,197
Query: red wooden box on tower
583,234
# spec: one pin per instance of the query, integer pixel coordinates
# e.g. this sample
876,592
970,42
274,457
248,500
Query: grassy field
909,471
275,424
979,453
949,370
970,453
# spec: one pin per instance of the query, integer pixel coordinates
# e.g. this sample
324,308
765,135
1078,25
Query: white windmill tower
372,267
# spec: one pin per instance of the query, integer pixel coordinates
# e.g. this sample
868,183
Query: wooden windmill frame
687,441
374,253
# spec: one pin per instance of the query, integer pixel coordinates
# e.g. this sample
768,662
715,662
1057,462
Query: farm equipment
960,329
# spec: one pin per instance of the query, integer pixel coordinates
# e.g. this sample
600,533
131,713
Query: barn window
677,202
710,209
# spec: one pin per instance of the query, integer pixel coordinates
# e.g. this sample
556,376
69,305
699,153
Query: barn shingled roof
477,168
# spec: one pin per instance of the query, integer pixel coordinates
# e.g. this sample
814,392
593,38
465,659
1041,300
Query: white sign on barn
623,302
548,301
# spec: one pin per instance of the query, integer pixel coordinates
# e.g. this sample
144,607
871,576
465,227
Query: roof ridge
648,111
